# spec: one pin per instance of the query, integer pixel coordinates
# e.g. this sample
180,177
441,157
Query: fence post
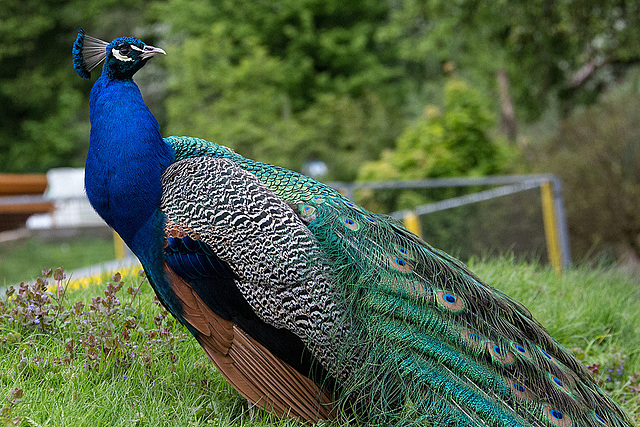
550,226
555,223
118,246
412,222
561,222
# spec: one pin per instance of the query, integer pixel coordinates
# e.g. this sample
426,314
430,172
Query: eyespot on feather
559,383
472,338
556,416
547,356
521,391
399,264
353,206
306,210
404,252
450,301
600,419
500,354
351,224
520,350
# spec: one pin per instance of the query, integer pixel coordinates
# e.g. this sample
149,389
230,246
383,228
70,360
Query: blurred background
364,90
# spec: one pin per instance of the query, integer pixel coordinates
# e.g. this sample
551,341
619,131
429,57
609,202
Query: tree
566,52
452,141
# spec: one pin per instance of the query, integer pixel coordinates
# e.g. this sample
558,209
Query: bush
450,141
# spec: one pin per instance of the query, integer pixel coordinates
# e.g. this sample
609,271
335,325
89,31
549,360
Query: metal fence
555,224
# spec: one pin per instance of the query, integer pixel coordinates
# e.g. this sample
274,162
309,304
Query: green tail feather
440,347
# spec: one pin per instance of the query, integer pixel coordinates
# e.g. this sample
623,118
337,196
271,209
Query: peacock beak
150,51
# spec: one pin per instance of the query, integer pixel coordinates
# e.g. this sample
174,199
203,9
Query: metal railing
554,219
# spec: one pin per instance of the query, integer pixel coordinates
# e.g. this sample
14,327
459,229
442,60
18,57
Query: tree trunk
508,117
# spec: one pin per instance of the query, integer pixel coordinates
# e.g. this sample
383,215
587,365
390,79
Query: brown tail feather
250,368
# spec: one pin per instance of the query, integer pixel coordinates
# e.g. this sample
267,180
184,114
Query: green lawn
110,357
25,259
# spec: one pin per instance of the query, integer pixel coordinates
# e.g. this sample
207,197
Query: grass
23,260
105,354
108,354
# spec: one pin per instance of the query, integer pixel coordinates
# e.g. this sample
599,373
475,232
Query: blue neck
127,156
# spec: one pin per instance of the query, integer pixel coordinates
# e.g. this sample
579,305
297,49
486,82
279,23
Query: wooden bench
21,195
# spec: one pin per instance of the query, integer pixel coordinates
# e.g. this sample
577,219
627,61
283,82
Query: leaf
59,275
16,393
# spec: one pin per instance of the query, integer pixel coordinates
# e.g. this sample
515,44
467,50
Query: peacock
310,306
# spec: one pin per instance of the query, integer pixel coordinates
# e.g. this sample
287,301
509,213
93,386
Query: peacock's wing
435,345
252,283
256,373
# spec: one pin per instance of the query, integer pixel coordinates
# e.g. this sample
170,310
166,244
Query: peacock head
123,56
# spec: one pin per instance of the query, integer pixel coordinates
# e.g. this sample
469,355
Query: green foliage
303,80
38,103
604,336
75,358
454,141
566,51
296,81
288,84
239,100
596,152
43,103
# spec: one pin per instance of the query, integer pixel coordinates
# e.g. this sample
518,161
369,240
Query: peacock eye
125,50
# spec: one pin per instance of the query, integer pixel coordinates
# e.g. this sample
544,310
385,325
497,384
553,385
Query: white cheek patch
119,57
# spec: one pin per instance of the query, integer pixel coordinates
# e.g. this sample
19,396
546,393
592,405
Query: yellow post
550,229
412,222
118,246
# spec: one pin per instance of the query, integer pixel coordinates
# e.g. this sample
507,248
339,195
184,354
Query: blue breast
126,159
